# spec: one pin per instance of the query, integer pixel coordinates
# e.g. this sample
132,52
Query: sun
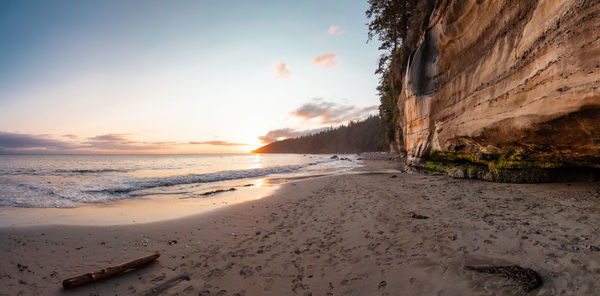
251,144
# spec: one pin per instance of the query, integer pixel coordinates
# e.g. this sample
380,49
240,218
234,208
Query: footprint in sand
246,271
158,278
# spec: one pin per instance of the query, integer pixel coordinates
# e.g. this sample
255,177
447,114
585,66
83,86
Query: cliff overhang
506,91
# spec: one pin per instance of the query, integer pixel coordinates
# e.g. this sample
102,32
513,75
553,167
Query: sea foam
71,187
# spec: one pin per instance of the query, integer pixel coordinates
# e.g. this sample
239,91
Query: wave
16,172
28,196
98,171
53,195
149,183
34,172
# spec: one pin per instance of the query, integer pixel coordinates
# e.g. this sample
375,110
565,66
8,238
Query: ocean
72,181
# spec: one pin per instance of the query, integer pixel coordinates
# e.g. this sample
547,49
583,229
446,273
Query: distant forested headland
361,136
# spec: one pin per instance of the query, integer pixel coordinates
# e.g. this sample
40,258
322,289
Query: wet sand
336,235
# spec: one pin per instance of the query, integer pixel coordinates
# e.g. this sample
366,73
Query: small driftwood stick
416,216
109,271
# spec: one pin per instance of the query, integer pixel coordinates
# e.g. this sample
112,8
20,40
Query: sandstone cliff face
516,80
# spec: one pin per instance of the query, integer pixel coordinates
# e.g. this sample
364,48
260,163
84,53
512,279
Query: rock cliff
499,86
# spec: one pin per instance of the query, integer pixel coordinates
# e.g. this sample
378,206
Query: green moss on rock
513,168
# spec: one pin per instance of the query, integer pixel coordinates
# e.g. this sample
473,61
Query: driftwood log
109,271
526,278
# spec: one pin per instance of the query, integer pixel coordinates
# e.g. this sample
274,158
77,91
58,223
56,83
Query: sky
206,76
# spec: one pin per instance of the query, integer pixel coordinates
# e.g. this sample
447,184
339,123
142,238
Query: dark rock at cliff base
508,86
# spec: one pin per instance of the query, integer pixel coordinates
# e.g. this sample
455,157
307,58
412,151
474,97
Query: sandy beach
337,235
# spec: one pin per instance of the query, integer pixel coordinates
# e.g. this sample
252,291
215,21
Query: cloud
332,113
120,142
109,143
282,71
335,30
109,138
327,60
284,133
326,112
14,141
218,143
11,143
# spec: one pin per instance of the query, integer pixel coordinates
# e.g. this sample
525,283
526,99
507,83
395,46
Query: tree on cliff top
398,25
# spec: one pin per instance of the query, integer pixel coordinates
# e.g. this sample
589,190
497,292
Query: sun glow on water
257,161
259,182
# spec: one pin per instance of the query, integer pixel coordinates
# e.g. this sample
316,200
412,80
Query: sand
335,235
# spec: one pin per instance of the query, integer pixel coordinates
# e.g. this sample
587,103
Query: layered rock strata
505,86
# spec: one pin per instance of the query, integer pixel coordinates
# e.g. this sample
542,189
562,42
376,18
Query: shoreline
345,235
149,196
154,207
141,210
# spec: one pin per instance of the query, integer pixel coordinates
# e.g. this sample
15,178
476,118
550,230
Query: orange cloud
282,71
11,143
121,142
286,133
327,60
332,113
218,143
335,30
